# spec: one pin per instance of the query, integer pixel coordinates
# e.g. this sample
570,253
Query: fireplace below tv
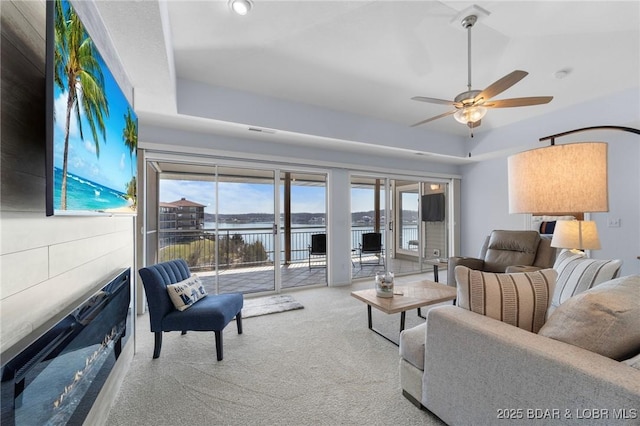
56,378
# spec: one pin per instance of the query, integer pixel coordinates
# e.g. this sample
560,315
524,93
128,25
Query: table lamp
576,235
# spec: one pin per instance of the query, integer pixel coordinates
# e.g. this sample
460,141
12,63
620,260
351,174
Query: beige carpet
319,365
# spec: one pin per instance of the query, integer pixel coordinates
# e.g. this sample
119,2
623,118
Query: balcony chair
318,248
371,244
211,313
508,251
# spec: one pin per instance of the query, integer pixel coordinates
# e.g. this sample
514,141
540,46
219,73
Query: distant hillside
297,218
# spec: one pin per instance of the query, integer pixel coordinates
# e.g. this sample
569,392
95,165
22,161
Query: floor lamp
559,179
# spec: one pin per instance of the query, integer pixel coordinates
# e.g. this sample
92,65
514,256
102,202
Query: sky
113,168
241,198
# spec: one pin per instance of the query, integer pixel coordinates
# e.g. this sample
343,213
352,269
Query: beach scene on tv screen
95,130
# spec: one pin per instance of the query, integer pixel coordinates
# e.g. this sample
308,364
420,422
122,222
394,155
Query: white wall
224,104
484,184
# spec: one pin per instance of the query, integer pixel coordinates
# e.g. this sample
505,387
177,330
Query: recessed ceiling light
241,7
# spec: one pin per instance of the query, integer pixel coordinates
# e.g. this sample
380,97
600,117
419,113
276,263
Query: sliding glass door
221,221
250,228
303,229
245,221
413,224
409,227
422,224
407,237
369,213
434,217
241,229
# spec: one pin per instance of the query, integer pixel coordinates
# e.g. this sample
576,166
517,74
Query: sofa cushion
186,292
519,299
605,319
412,342
577,273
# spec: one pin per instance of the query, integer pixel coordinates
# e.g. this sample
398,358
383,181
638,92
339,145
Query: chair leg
219,344
239,322
158,344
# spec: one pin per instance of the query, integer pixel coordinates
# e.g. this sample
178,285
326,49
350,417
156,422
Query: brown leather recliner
508,251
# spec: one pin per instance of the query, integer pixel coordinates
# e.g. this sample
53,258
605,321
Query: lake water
301,235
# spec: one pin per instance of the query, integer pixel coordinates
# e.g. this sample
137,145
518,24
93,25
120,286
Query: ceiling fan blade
433,100
518,102
433,118
501,85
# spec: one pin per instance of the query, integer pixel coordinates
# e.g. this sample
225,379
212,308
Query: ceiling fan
472,105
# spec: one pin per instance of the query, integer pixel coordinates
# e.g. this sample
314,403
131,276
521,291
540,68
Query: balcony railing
240,247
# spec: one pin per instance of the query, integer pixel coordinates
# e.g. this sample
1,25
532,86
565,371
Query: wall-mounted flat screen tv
433,209
92,130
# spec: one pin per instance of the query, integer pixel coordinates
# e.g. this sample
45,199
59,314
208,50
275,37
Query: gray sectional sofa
471,369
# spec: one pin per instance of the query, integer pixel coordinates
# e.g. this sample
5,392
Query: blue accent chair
211,313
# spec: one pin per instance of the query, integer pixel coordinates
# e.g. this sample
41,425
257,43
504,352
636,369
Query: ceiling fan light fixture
241,7
470,114
471,106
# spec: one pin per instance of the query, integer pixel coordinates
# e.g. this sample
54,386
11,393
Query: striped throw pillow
577,273
519,299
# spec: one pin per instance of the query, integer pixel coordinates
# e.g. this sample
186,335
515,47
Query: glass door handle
275,229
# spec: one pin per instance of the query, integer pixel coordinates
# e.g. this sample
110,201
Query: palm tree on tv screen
130,136
75,57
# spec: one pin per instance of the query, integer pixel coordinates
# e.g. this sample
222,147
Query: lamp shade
559,178
576,234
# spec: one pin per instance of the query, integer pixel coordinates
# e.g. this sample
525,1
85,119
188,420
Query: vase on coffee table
384,284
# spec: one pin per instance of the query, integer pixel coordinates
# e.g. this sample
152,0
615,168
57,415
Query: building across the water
181,214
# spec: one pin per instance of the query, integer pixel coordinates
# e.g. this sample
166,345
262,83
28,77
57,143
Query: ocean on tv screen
83,194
